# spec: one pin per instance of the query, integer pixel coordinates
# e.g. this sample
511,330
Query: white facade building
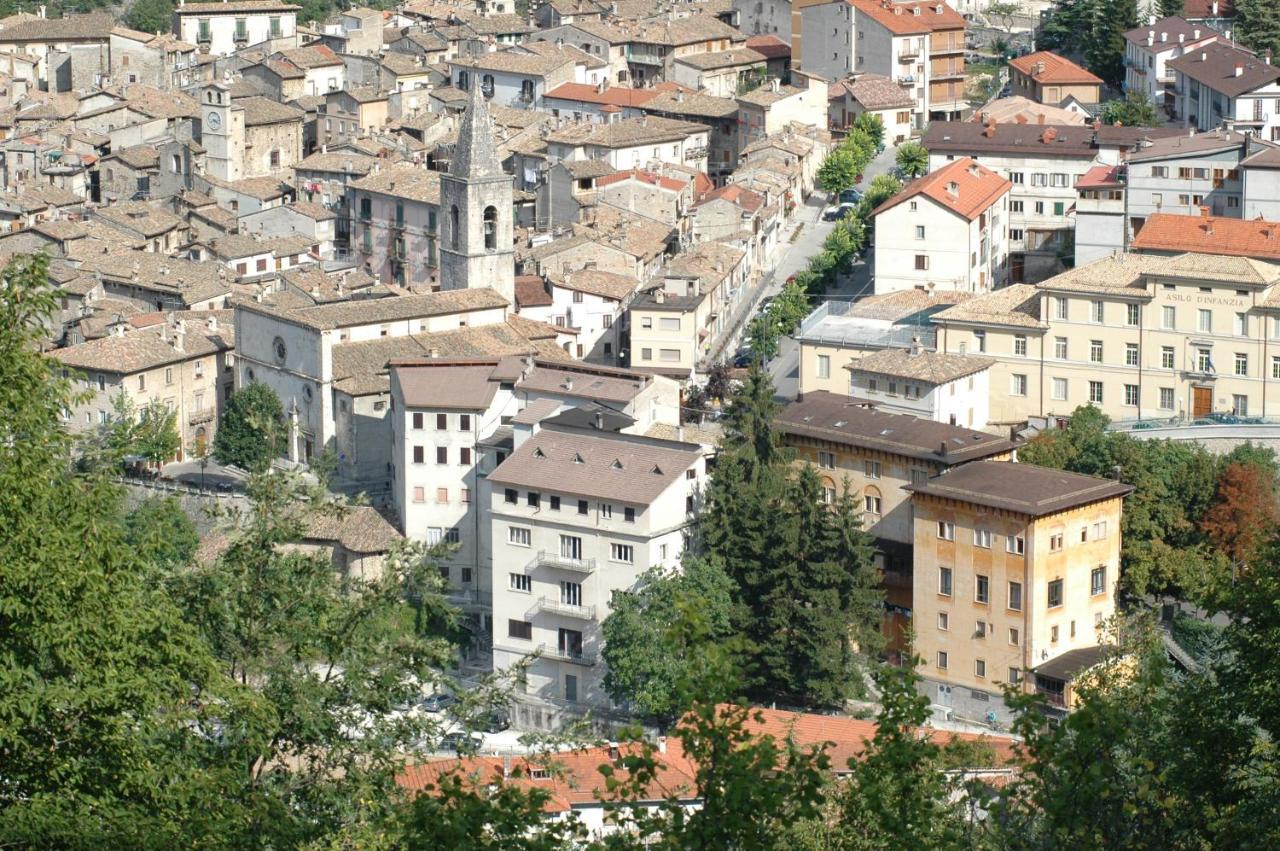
1148,50
1225,86
945,388
225,27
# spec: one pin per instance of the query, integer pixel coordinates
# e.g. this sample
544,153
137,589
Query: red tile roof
531,292
735,194
964,187
1253,238
1100,177
616,95
910,18
1054,69
769,46
642,176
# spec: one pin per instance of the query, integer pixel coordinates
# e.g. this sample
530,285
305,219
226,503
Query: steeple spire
476,154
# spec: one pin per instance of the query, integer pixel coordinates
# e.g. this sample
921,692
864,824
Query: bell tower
221,132
476,207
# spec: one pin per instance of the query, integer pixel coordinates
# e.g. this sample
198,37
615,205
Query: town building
1261,174
1137,336
1222,85
1015,566
1182,174
1048,78
1147,52
876,455
876,95
1168,235
225,27
577,515
1101,226
946,230
945,388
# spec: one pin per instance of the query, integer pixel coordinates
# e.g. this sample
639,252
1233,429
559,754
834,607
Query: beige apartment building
1139,336
1015,571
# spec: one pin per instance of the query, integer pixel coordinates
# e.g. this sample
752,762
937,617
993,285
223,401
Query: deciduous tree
913,159
252,432
1135,110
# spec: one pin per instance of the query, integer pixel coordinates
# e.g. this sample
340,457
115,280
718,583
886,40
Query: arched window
463,79
486,85
490,228
871,501
453,226
828,491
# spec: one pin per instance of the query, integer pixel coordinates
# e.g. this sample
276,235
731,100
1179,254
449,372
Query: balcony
553,606
469,598
559,654
908,53
907,80
950,74
642,57
549,559
205,416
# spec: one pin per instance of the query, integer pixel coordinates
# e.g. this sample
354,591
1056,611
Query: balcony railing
907,80
569,610
553,559
581,657
908,54
468,598
197,417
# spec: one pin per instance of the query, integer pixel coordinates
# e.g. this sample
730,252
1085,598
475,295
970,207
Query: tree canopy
252,431
913,159
1135,110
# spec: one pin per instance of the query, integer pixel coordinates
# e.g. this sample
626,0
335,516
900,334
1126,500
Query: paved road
785,367
213,476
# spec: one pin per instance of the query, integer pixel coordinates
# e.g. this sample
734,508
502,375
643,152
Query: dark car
461,742
850,196
496,721
439,702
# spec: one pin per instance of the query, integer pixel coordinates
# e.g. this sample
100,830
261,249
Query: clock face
214,120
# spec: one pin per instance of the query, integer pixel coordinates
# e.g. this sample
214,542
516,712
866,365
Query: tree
1064,27
1136,110
913,159
97,666
252,431
1105,47
1003,13
838,171
1245,511
663,638
162,533
1171,8
1258,25
151,434
150,16
872,125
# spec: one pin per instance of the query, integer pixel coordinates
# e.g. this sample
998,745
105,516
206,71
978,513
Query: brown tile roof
259,111
910,18
138,156
1058,141
1107,274
615,466
735,194
643,176
531,291
345,314
629,132
403,180
840,419
1210,235
1051,69
876,92
964,187
337,161
905,303
1017,305
358,528
1101,177
1022,488
597,282
139,216
91,26
1185,145
731,58
600,383
1214,65
230,8
516,61
194,282
1242,271
616,95
311,56
769,46
1166,31
697,104
1020,110
135,351
447,383
925,365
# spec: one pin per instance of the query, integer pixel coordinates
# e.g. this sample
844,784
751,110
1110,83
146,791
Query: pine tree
1104,51
1258,25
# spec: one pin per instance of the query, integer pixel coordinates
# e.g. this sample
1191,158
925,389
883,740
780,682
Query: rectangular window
919,231
1059,388
1096,313
944,581
419,455
1204,321
922,262
582,506
1130,354
1020,345
1015,676
624,553
1166,398
1055,593
1275,366
464,422
1059,208
442,455
1132,314
1017,385
1166,357
870,502
519,629
1015,596
871,469
1242,325
511,496
982,589
606,511
1131,395
942,659
1095,351
826,460
1015,544
466,495
464,456
417,420
946,531
1060,307
980,341
1204,360
419,494
629,515
1240,405
824,366
979,668
1098,580
1095,392
1060,348
982,538
1168,318
1242,363
1014,636
442,422
522,582
1055,542
944,621
442,495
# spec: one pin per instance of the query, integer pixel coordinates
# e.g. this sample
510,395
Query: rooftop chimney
1239,69
942,448
1195,33
1182,37
433,352
1151,37
1164,37
1204,211
1040,118
1208,226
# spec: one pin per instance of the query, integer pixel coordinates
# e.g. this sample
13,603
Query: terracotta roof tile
1046,67
1210,235
964,187
910,18
1024,488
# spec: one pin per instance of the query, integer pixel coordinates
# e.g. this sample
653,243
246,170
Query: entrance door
944,695
571,688
1201,401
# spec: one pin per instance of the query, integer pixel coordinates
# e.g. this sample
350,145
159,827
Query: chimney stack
1239,69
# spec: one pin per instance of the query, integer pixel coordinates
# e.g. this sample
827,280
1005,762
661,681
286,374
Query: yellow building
877,454
1139,336
1015,566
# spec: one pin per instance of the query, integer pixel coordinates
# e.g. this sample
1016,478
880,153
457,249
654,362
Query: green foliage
252,432
805,590
838,171
162,533
913,159
150,16
1170,8
1136,110
663,640
1104,50
151,434
1003,13
872,125
1258,25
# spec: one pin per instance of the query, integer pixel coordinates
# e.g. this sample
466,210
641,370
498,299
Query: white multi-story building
1148,50
576,516
1220,85
947,230
945,388
225,27
627,143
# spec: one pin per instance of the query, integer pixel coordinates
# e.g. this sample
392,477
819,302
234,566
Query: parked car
765,302
496,721
832,213
850,196
439,702
461,742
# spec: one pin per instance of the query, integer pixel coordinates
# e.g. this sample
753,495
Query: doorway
1201,401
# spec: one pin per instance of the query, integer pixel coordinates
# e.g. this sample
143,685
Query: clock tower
221,132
